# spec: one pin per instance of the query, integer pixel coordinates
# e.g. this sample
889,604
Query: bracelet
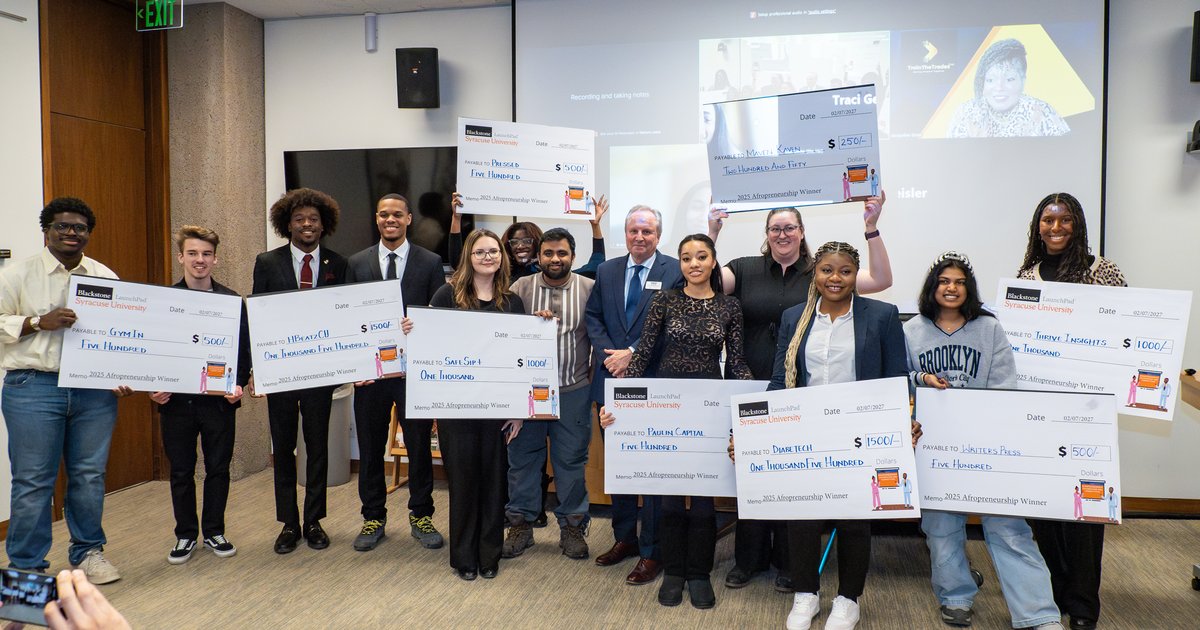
871,235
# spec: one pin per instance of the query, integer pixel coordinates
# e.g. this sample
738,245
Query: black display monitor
357,178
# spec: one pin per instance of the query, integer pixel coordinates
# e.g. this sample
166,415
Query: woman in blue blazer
834,336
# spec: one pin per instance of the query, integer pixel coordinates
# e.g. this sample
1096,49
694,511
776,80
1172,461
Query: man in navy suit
420,273
302,216
616,311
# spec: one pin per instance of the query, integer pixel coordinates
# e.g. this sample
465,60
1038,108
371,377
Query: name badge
654,285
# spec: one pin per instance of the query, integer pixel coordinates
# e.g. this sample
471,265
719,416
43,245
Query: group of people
791,316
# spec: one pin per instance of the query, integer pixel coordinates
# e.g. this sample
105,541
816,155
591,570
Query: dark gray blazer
422,273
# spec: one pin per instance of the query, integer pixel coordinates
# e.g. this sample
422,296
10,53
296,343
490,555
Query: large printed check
529,170
798,149
472,364
1019,453
835,451
670,436
326,336
151,338
1084,338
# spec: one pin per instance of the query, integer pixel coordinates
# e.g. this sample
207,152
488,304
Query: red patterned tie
306,272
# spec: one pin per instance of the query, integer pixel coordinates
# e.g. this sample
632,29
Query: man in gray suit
420,273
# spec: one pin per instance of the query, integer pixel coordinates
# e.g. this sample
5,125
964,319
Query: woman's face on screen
1002,87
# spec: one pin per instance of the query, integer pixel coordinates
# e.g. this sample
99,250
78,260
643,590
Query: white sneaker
805,607
844,615
97,569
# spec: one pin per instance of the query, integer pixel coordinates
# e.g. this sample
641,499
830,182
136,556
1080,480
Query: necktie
306,272
391,272
634,296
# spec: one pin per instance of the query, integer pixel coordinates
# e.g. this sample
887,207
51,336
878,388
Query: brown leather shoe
619,552
644,573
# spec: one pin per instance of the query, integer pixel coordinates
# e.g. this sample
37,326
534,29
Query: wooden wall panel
96,62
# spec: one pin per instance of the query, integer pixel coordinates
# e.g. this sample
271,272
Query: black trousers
476,462
288,413
1073,553
853,555
213,423
689,537
758,545
372,417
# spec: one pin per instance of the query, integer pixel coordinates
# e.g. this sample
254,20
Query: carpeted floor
1147,577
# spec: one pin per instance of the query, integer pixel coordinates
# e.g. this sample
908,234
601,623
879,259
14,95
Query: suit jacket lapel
284,260
654,273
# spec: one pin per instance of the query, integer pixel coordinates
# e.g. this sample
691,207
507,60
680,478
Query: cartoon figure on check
389,361
1112,505
378,366
1164,393
845,187
1078,505
554,402
876,504
1132,391
874,179
403,362
531,410
215,378
204,378
906,485
887,483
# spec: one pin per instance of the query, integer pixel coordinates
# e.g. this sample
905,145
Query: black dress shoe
286,542
316,536
1079,623
670,592
738,577
465,574
488,573
783,584
540,521
700,592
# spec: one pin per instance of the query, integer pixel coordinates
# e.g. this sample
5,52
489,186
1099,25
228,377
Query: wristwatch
34,321
871,235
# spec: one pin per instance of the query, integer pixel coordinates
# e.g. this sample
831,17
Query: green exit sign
156,15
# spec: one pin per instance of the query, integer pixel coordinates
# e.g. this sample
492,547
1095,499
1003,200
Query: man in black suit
302,216
420,273
616,312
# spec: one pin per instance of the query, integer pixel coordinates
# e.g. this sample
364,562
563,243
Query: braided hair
1077,258
1006,52
810,307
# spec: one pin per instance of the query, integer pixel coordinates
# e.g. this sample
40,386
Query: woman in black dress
473,451
695,324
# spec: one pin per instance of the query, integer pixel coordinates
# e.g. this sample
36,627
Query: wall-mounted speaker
417,77
1196,47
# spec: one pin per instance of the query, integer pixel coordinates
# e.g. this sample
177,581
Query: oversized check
797,149
474,364
149,337
834,451
1032,454
326,336
670,436
530,170
1083,338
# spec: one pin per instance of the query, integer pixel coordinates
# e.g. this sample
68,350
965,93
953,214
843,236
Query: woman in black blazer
835,336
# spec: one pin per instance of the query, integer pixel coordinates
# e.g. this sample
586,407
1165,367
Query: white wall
20,157
323,91
1153,210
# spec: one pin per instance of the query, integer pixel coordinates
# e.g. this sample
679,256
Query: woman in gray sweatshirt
954,342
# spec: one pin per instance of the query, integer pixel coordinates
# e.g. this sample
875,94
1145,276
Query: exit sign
156,15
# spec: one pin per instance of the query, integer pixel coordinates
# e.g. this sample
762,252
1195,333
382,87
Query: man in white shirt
47,423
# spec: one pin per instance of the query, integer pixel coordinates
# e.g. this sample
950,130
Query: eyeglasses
484,254
513,242
776,230
65,228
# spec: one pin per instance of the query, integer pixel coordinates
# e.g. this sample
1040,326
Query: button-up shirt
401,253
33,287
568,304
829,352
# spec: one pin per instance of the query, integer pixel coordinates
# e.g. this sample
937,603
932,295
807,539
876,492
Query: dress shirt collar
648,265
401,252
298,255
53,264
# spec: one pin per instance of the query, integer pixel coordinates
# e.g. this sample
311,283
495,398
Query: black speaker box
1196,47
417,78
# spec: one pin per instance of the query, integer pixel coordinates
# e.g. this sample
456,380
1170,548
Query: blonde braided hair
810,307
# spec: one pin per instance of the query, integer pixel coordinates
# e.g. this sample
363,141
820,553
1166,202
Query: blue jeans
46,424
1024,578
569,436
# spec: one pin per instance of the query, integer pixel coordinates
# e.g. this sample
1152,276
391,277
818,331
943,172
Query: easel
396,450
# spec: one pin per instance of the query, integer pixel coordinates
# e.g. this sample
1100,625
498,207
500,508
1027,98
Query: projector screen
968,142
